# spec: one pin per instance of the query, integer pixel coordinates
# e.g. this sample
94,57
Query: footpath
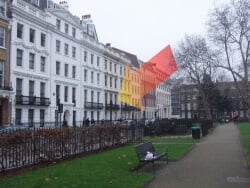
218,161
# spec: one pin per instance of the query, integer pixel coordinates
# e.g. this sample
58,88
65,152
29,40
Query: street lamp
121,110
111,106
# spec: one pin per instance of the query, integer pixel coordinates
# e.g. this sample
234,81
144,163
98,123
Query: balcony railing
31,100
128,107
93,105
112,106
7,88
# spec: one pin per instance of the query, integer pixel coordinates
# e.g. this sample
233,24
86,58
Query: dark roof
132,57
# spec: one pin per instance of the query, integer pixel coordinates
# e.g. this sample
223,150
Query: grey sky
143,27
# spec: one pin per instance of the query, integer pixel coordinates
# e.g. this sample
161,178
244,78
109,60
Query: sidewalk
217,162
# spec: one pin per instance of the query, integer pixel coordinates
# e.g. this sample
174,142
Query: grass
106,169
171,139
245,137
176,146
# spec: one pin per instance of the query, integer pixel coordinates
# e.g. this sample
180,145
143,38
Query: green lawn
166,139
106,169
245,137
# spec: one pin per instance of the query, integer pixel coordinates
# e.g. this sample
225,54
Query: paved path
217,162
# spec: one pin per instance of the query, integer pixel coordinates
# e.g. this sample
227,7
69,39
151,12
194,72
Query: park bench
146,154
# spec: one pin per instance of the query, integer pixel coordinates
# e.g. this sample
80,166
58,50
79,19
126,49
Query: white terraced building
60,72
58,65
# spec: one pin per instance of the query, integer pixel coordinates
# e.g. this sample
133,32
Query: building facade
5,82
61,73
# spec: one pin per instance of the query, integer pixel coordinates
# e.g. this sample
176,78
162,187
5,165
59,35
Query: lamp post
111,106
121,110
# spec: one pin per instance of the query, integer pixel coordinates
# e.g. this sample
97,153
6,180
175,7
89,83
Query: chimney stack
64,4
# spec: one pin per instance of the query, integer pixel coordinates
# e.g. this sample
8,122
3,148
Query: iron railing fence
35,145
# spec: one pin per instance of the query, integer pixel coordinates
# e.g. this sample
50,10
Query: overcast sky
143,27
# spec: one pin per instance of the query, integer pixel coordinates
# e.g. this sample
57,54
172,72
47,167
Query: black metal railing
112,106
32,100
29,147
7,88
128,107
93,105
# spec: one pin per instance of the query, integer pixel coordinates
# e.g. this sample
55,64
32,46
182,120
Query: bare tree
195,60
229,29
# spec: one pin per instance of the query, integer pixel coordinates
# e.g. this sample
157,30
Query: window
1,73
2,8
30,117
85,74
42,89
19,57
42,117
58,64
98,115
105,64
58,91
66,49
35,2
98,78
2,37
31,88
115,67
92,114
19,30
110,66
92,59
18,116
42,66
111,81
85,56
98,97
106,98
58,45
66,71
66,94
115,82
73,71
43,39
85,95
121,71
115,99
73,32
58,24
98,61
32,61
74,118
73,51
66,28
50,4
32,35
105,80
110,97
92,77
73,95
92,96
19,85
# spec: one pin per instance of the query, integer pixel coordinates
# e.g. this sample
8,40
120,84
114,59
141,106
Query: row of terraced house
53,65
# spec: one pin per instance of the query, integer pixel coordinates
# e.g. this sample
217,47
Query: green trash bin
196,132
